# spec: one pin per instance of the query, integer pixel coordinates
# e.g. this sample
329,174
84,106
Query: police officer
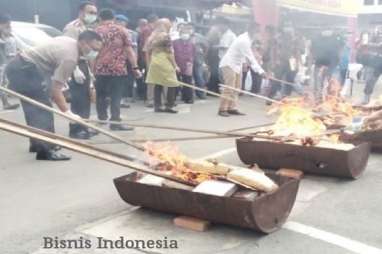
40,73
81,82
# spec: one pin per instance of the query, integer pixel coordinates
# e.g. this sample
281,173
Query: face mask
90,18
91,55
185,36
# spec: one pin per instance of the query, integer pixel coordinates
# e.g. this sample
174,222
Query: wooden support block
192,223
292,173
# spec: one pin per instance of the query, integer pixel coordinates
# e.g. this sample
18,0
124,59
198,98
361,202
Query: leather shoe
120,127
235,112
83,135
51,155
159,110
171,111
224,113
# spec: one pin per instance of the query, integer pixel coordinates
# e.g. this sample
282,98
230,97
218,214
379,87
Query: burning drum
264,213
349,163
374,137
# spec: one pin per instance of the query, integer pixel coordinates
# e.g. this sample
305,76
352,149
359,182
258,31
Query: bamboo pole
115,158
112,157
251,94
71,118
184,138
219,133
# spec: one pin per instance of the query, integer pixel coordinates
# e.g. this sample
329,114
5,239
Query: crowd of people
102,57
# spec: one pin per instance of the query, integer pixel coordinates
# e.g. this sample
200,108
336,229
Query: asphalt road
77,198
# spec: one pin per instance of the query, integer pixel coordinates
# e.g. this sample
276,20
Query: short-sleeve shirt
56,59
112,58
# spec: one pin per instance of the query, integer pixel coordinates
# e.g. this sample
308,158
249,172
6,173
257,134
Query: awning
347,8
170,4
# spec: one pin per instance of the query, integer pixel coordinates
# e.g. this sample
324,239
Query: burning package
167,158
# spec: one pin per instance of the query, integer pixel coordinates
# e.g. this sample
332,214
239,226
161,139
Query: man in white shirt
226,40
231,66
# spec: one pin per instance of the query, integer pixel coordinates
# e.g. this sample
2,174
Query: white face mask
185,37
90,18
92,55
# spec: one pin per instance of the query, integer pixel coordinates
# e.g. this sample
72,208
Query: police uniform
31,74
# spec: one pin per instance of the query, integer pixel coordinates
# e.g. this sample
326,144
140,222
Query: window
368,2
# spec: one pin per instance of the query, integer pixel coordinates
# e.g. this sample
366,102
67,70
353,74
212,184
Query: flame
298,122
167,157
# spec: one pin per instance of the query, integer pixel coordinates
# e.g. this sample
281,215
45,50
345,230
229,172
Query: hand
177,69
79,76
137,73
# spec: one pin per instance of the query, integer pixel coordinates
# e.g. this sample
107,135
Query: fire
167,157
298,122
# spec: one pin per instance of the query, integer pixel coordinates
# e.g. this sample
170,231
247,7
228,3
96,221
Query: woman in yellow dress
162,67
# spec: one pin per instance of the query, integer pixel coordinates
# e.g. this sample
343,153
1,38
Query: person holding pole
231,67
40,73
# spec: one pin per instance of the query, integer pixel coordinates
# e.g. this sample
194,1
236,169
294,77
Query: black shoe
120,127
235,112
51,155
159,110
11,106
171,111
189,102
224,114
83,135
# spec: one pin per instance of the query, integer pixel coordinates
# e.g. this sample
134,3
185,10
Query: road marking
219,154
346,243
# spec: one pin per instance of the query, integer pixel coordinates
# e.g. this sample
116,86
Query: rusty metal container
265,214
313,160
372,137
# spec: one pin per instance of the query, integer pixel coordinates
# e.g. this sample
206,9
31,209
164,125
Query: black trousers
256,81
171,95
109,87
213,62
187,93
25,79
141,84
129,85
80,98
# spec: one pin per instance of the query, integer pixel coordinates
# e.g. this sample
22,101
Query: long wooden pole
221,133
69,117
251,94
185,138
116,158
